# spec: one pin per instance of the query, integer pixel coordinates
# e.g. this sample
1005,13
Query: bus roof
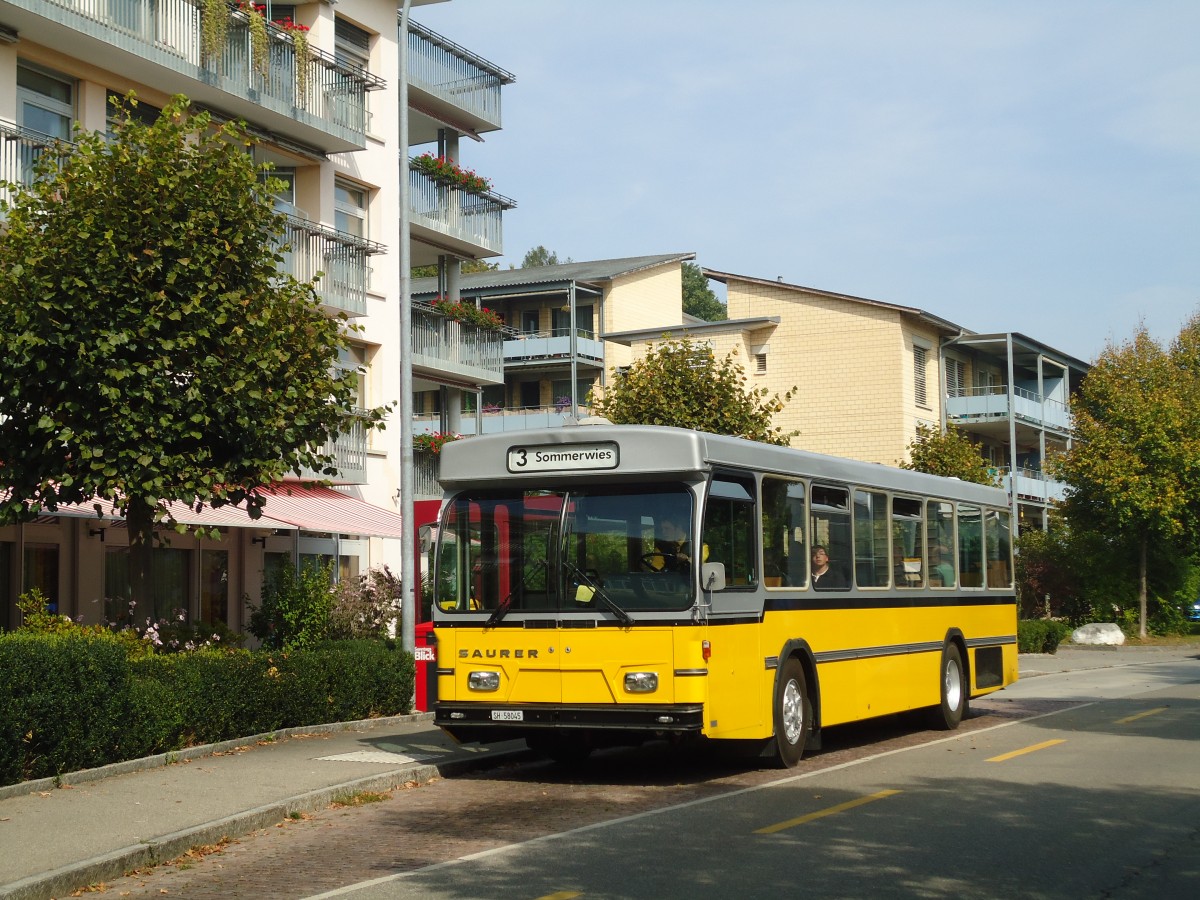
551,457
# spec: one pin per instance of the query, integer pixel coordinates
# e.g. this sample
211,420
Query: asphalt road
1066,785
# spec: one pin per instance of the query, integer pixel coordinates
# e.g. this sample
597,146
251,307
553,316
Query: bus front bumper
486,723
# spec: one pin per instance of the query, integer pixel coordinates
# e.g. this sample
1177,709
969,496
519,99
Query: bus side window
831,529
785,556
730,529
970,546
939,524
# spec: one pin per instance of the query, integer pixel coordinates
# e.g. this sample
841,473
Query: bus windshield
588,550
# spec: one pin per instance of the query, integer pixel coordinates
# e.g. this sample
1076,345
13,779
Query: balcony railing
449,72
555,344
20,149
425,470
328,95
515,419
992,403
349,451
1032,485
441,343
475,220
340,256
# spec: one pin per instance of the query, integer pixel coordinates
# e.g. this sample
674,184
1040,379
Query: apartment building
322,99
553,324
867,373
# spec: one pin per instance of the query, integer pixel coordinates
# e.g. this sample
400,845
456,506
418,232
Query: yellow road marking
841,807
561,895
1042,746
1141,715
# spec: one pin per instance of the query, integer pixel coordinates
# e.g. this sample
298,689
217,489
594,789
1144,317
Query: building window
354,359
45,101
956,377
760,363
920,362
351,44
350,209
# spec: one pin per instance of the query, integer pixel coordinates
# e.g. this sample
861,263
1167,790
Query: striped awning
225,517
316,508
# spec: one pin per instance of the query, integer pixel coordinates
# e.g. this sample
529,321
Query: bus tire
793,715
952,686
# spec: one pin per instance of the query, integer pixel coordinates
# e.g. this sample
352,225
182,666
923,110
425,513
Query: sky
1022,165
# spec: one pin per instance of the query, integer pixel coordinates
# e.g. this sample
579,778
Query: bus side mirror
712,576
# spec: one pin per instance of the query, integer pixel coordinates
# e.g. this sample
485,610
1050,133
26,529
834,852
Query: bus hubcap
793,712
953,686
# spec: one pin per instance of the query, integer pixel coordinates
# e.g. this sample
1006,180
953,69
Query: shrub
295,608
364,607
62,700
1040,635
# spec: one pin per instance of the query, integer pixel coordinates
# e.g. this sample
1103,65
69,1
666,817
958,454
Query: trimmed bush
1040,635
62,703
77,700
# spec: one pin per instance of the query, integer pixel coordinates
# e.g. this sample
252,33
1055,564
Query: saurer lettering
497,654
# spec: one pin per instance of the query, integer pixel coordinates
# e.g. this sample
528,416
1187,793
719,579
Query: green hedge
1040,635
76,701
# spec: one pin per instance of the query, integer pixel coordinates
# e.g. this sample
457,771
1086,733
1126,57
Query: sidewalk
96,825
93,826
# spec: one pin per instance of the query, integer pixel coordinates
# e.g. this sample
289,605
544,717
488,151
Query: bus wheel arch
954,684
794,704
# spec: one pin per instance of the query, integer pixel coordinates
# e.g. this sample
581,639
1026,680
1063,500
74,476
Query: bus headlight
641,682
484,681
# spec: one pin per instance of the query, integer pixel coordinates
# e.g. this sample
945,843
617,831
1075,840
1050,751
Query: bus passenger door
739,692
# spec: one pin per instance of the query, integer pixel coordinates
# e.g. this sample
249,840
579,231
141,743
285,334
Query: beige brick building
866,373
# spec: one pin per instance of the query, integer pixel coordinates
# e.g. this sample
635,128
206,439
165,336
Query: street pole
408,562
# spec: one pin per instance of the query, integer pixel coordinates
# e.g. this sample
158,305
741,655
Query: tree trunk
140,521
1142,567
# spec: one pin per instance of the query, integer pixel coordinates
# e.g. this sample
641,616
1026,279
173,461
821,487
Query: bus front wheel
952,687
793,714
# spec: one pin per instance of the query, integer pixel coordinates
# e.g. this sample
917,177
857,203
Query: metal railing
992,402
349,451
471,217
342,257
320,88
554,344
443,339
446,70
20,150
425,469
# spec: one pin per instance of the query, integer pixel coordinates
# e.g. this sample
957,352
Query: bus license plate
508,715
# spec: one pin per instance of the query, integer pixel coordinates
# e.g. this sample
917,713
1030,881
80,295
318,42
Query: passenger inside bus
672,551
824,576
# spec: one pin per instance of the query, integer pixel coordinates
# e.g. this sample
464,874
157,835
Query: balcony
349,451
503,420
991,404
443,347
340,256
158,42
20,150
554,346
465,223
1032,486
449,84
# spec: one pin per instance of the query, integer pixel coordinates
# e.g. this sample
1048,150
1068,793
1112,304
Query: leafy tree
153,350
950,453
698,298
467,267
1135,445
539,256
681,383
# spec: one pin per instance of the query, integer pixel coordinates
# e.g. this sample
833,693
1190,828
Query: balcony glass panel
554,344
992,403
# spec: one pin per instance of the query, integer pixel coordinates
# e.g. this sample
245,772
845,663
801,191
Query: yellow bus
607,584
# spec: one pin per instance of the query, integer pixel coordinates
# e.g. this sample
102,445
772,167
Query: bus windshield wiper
611,605
500,611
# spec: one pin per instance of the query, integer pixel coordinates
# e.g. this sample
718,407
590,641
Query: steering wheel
649,561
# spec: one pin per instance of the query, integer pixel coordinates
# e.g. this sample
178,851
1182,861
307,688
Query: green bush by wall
78,700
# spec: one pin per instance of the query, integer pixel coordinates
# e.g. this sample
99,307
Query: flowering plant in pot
434,441
469,314
445,171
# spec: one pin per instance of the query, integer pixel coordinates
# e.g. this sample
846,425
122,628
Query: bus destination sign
563,457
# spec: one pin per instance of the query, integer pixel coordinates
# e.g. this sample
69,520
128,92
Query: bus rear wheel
793,715
952,687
